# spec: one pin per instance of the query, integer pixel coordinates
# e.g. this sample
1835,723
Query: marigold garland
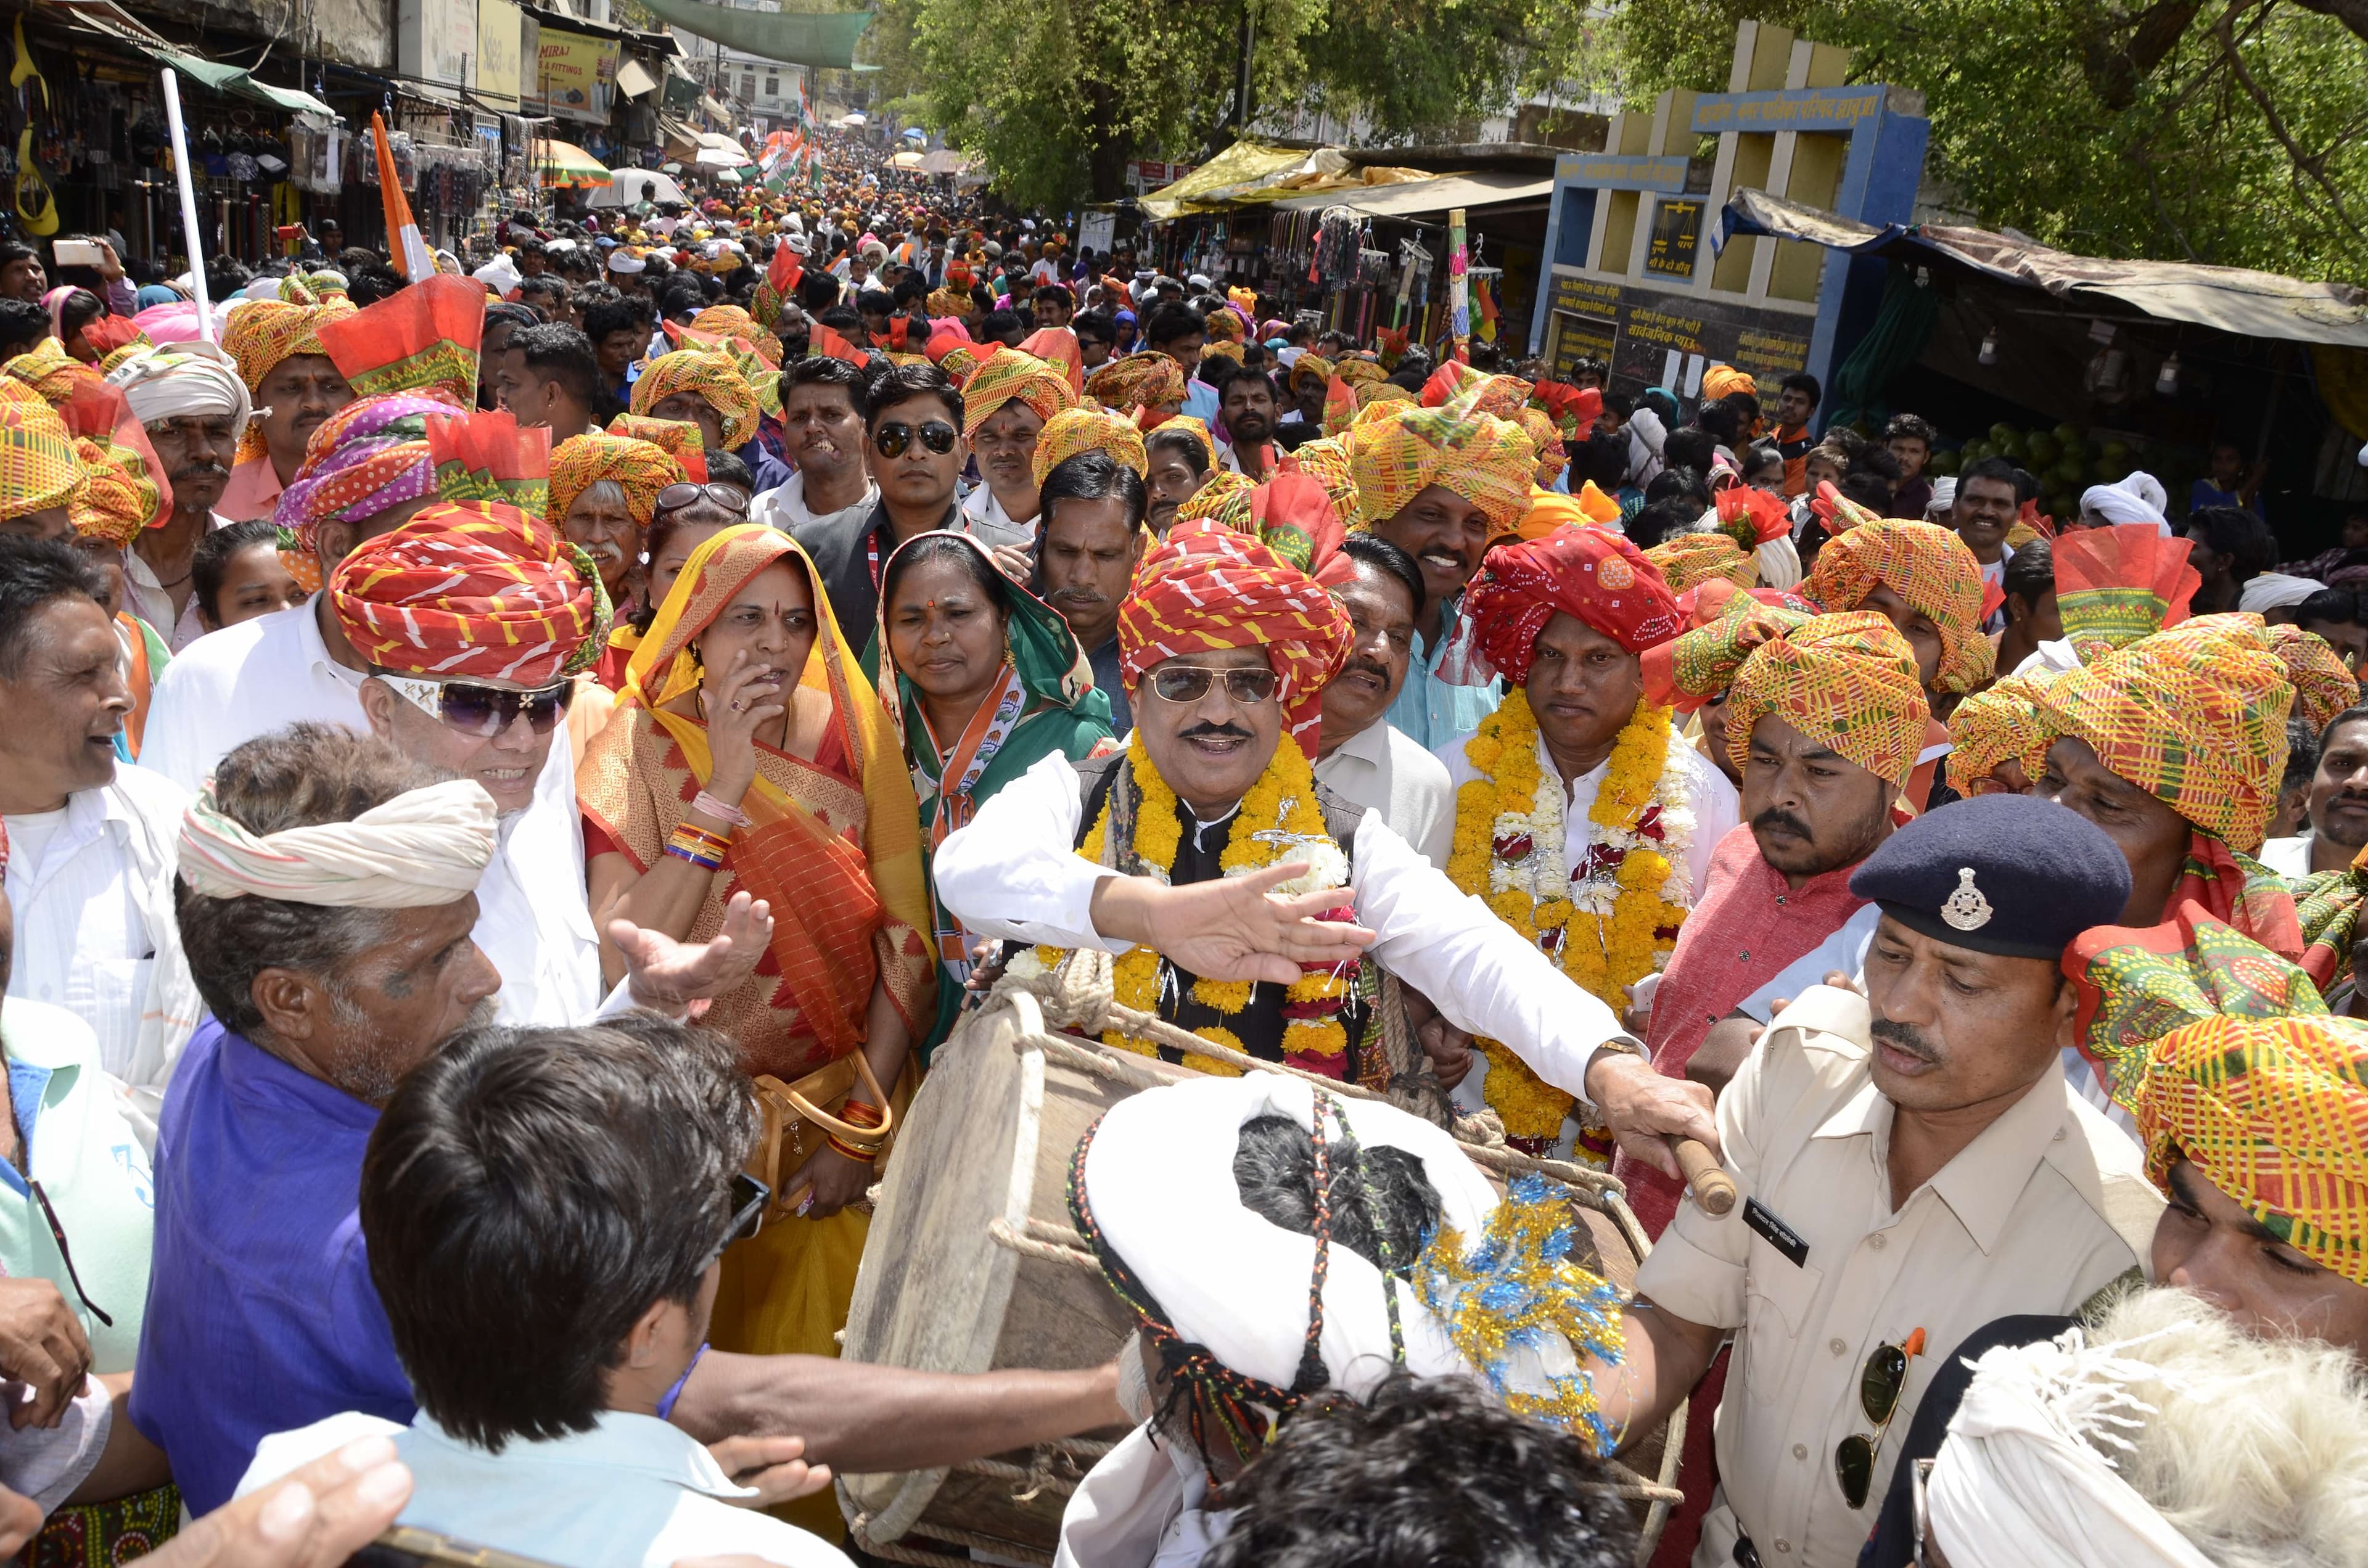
1509,849
1280,822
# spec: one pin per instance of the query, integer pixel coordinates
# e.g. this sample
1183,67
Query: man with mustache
2337,807
1917,1166
1442,486
327,897
823,426
1359,755
1246,399
294,385
1006,402
189,398
1092,541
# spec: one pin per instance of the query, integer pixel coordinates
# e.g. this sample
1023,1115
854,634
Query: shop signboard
497,51
577,73
1650,337
435,40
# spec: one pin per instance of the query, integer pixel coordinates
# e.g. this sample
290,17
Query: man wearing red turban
1206,855
1582,818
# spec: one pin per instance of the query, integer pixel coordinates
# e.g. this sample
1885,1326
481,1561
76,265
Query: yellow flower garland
1283,798
1627,945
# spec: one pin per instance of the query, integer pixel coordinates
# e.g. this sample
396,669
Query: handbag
800,1117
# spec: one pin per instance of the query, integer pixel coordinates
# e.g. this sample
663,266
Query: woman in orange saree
748,751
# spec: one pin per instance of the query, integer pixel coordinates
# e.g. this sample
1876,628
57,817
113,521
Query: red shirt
1749,927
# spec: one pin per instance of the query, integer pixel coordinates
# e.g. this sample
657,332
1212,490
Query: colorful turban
369,456
1846,680
1399,453
2196,716
1998,723
2274,1113
1326,462
1599,577
679,439
1223,498
419,340
1360,373
1726,380
51,371
2323,687
1139,381
1224,326
640,468
259,335
1543,436
1932,571
1076,430
1206,588
958,362
2114,586
1468,391
1310,367
1058,348
1690,559
1232,351
736,325
472,591
38,469
126,494
1008,376
714,378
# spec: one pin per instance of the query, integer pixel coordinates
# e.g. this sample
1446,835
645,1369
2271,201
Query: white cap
1198,280
620,262
500,275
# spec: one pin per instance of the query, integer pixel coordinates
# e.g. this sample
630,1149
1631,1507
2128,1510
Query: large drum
971,1265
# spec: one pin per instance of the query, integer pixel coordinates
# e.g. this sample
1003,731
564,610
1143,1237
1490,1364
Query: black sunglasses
1191,683
484,710
1879,1384
747,1196
890,440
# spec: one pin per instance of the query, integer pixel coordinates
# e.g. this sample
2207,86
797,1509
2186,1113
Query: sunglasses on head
890,440
485,710
1191,683
673,497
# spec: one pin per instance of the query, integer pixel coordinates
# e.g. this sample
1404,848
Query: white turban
1944,498
426,846
2138,498
500,275
180,379
2275,590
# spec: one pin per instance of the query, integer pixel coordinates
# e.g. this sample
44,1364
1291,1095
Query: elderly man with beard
1918,1166
327,889
194,408
295,387
822,418
1359,755
1093,539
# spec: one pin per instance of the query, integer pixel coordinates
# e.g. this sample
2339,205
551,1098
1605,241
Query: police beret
2009,874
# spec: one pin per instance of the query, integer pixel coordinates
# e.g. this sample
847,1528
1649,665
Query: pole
188,203
1459,283
1241,89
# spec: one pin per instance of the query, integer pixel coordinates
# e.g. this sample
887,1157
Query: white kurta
1013,873
1382,769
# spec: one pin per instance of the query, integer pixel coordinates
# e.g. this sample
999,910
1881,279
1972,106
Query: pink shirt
253,490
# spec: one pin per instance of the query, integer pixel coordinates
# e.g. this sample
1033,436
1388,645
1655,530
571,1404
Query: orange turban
640,468
1932,571
471,590
1006,376
1396,453
1848,681
712,377
1076,430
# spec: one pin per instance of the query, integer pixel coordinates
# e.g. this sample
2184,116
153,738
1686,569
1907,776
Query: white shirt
2289,857
1382,769
1716,806
1015,860
534,920
632,1490
1230,460
92,886
1140,1508
146,597
785,507
243,681
985,519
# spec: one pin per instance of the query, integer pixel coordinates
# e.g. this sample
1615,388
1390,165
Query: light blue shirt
1201,401
1431,711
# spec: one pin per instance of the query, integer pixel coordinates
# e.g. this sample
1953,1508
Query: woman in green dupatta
988,681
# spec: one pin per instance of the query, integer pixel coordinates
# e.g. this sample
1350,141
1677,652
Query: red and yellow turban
1690,559
1205,589
1310,367
2274,1113
1598,576
1848,681
51,371
640,468
38,469
731,322
1223,498
2114,586
1139,381
261,335
472,591
1997,724
1544,437
1058,348
1326,462
1076,430
1932,571
126,494
712,377
2196,716
1471,391
2323,687
1396,453
1009,376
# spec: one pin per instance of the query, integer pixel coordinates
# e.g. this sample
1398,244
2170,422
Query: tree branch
2312,167
2353,14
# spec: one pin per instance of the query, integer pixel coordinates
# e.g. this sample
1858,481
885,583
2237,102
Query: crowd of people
512,776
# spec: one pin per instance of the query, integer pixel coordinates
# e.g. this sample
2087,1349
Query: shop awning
2231,299
633,80
909,162
1242,164
560,163
234,81
1423,198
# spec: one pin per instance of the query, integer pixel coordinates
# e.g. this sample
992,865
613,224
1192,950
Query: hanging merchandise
1336,247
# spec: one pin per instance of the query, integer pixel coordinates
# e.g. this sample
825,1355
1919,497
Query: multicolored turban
1206,588
1360,373
1933,573
1847,680
1139,381
731,322
1397,453
1223,498
1232,351
261,335
1468,391
1310,367
1544,437
1326,462
38,469
2323,687
713,378
2328,907
423,339
1998,723
472,591
1009,376
2196,716
1598,577
51,371
369,456
2274,1113
127,493
1224,326
679,439
640,468
2114,586
1690,559
1076,430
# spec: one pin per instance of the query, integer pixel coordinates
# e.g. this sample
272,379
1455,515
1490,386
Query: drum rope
1050,1252
896,1551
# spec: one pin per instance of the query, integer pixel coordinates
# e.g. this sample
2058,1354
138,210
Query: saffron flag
404,244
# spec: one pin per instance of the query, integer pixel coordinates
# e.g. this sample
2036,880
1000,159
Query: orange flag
405,245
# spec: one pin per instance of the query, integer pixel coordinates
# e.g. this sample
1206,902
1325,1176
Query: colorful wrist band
865,1156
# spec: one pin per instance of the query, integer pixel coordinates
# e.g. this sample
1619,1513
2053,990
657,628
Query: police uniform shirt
2045,1208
